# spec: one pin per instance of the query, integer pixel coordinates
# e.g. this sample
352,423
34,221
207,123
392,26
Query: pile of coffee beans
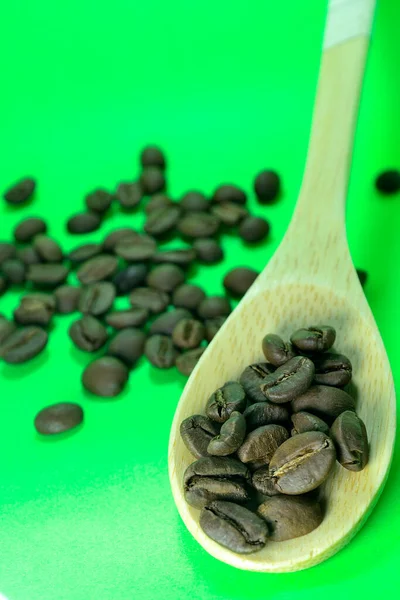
268,441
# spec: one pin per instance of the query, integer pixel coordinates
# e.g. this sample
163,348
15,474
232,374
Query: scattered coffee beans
35,309
266,186
20,192
254,229
106,377
160,351
99,201
208,251
165,278
128,346
229,193
388,182
58,418
23,344
88,334
67,299
194,202
188,296
28,229
186,362
129,194
84,222
239,280
152,156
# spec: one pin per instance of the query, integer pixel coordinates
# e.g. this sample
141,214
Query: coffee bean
266,186
229,193
194,201
134,317
324,401
265,413
84,222
276,351
216,478
332,369
302,463
129,278
254,229
88,334
229,213
6,329
67,299
58,418
157,201
213,326
290,517
152,180
7,251
129,194
289,381
28,256
238,281
252,378
188,296
47,275
97,299
314,339
27,229
160,351
350,438
116,236
35,309
188,334
85,252
152,156
128,346
23,344
208,251
261,480
186,362
137,249
388,182
165,277
106,377
20,192
162,220
214,306
197,432
234,527
14,271
167,321
230,437
198,225
153,300
260,445
225,400
304,421
182,256
49,250
3,285
362,276
99,201
97,269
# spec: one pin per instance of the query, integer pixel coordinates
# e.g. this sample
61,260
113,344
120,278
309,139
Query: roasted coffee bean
252,378
23,344
47,275
197,432
324,401
6,329
14,271
194,202
116,236
134,317
208,251
85,252
152,180
186,362
99,201
27,229
314,339
58,418
198,225
302,463
260,445
160,351
290,517
188,334
7,251
332,369
129,194
216,478
276,351
49,250
229,213
181,257
84,222
20,192
388,182
152,156
225,400
129,278
229,193
35,309
350,438
254,229
128,346
106,377
261,480
153,300
188,296
88,334
238,281
97,299
97,269
157,201
67,299
137,249
167,321
289,381
28,256
214,306
362,276
3,285
265,413
162,220
234,527
304,421
213,326
266,186
231,436
165,277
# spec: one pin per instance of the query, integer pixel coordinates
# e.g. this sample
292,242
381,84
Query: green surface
227,88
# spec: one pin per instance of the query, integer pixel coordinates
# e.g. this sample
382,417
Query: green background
227,88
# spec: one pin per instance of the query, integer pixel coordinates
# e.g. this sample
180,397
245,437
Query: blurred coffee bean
165,277
186,362
58,418
48,249
166,322
97,269
198,225
194,201
160,351
208,251
20,192
129,194
388,182
213,326
214,306
254,229
27,229
3,285
112,239
14,271
152,180
162,220
6,328
35,309
276,350
67,299
28,256
181,256
7,251
129,278
237,281
133,317
188,334
138,249
128,346
88,334
97,298
84,252
152,156
266,186
156,202
99,201
188,296
105,377
153,300
229,193
23,344
229,213
362,276
84,222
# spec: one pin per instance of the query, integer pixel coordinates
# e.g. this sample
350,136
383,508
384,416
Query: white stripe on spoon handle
348,19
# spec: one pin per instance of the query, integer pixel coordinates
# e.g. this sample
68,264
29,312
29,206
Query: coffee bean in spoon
229,193
67,299
351,441
23,345
266,186
97,269
35,309
48,249
49,275
324,401
276,351
265,413
214,306
304,421
332,369
160,351
84,222
165,277
105,377
262,481
194,201
167,321
289,381
208,250
152,156
314,339
388,182
14,271
186,362
254,229
260,445
188,334
252,378
197,432
88,333
99,201
198,225
97,298
188,296
27,229
225,400
58,418
128,346
290,517
133,317
129,194
237,281
153,300
152,180
230,438
20,192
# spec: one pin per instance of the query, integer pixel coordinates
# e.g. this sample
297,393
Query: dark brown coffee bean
97,269
302,463
88,334
20,192
152,156
263,483
129,278
27,229
138,249
167,321
84,222
99,201
350,438
260,445
304,421
129,194
7,251
229,213
198,225
265,413
152,180
97,299
188,296
388,182
332,369
290,517
154,300
197,432
276,351
208,251
188,334
14,271
213,326
49,250
106,377
314,339
362,276
214,306
28,256
254,229
266,186
3,285
128,346
181,257
231,436
165,277
238,281
252,378
116,236
194,202
324,401
186,362
58,418
162,220
156,202
35,309
225,400
85,252
160,351
229,193
23,344
6,329
47,275
67,299
289,381
134,317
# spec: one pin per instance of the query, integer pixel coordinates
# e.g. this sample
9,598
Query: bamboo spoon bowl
310,280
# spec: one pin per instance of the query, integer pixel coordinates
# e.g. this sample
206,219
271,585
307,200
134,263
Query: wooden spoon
310,280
